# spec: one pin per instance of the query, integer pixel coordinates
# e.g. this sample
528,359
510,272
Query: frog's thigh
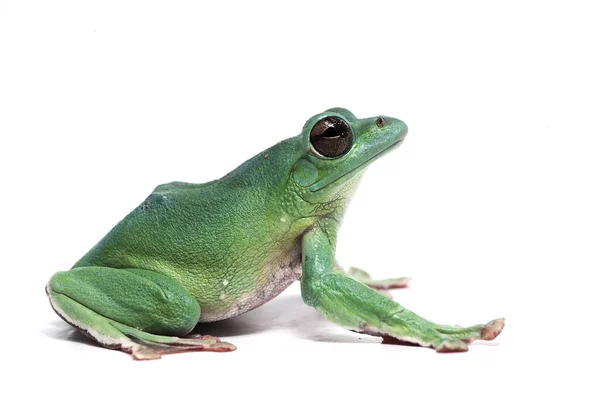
138,311
140,299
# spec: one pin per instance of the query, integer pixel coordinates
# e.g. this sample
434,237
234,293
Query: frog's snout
401,128
394,127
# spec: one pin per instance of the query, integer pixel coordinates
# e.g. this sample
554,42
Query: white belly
281,272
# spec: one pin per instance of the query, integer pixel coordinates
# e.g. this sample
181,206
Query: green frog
197,253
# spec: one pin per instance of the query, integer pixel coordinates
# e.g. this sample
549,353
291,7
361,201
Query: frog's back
215,238
173,225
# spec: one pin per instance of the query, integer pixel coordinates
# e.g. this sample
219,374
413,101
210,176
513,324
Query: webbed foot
445,339
145,349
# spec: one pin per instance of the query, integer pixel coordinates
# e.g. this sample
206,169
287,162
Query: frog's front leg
354,305
137,311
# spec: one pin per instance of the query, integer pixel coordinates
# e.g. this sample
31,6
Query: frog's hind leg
137,311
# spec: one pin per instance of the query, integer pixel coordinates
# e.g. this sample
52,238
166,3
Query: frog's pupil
331,132
331,137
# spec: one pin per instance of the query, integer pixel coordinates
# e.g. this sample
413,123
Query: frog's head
337,149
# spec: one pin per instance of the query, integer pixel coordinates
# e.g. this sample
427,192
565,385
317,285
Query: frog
198,253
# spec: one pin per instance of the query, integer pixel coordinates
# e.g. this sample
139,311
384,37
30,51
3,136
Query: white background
491,204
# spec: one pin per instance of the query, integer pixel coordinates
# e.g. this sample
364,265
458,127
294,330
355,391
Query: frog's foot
379,285
485,332
153,347
137,311
352,304
442,338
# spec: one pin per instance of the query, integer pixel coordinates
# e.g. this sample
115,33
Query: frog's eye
331,137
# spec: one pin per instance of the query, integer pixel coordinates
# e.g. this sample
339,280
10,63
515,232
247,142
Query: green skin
193,253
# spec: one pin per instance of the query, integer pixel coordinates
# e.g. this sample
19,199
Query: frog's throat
332,178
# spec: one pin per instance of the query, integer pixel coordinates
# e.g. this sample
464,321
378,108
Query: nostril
380,122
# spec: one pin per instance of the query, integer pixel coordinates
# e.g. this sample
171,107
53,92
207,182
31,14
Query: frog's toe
380,285
205,342
486,332
148,349
452,345
492,329
141,352
441,343
218,346
390,283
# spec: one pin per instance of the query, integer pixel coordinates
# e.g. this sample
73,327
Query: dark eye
331,137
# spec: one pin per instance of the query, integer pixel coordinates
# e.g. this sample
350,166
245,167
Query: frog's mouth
331,179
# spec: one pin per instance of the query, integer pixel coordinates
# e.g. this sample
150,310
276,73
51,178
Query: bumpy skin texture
223,240
194,253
